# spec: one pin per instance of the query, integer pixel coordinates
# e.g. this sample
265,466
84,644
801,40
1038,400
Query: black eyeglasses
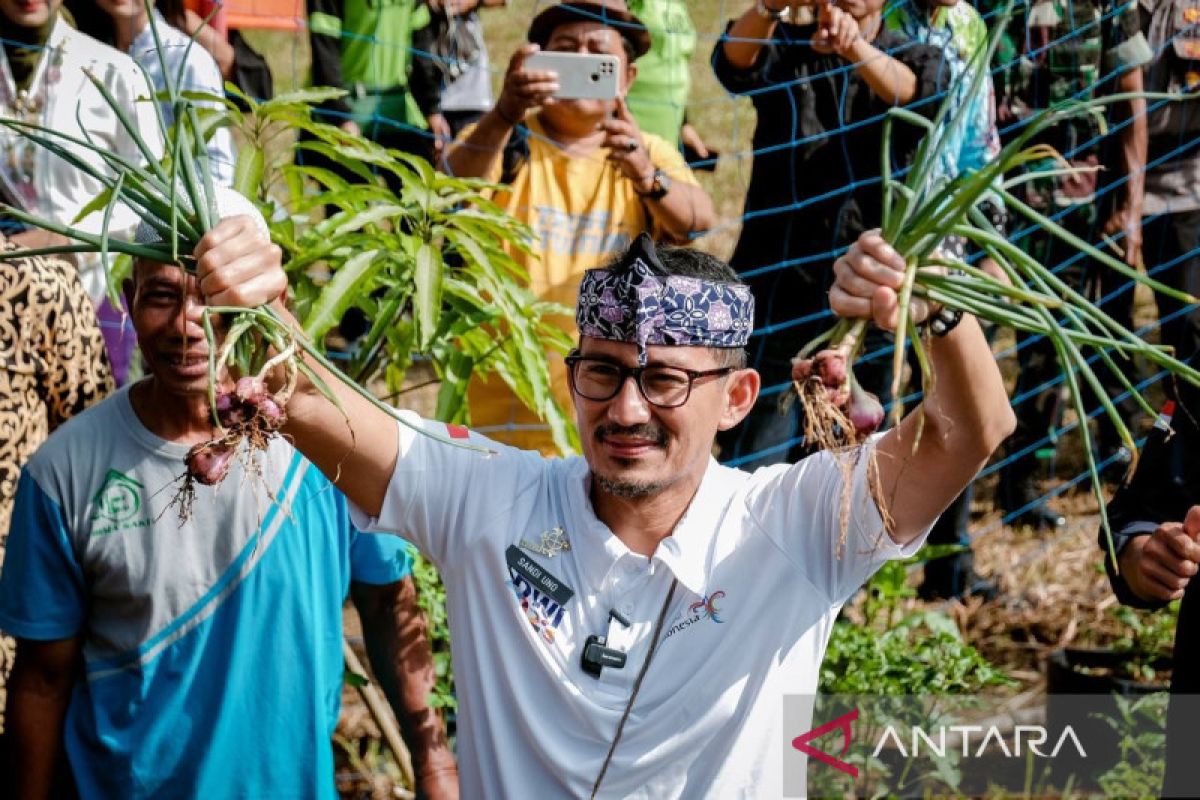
662,386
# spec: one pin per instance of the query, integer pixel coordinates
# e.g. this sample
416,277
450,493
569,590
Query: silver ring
631,145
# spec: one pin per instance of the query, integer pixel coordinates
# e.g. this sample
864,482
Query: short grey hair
228,202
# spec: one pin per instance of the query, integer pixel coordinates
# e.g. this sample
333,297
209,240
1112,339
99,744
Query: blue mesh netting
728,124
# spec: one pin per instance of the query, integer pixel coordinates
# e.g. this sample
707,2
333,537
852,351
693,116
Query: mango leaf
428,297
98,203
420,165
562,429
220,103
338,295
327,178
465,296
342,156
480,257
288,100
343,223
385,316
452,395
248,169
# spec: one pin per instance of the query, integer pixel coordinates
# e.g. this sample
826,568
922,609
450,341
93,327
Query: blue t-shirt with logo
212,645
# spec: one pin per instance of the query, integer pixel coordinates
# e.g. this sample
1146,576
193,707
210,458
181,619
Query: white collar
687,552
144,41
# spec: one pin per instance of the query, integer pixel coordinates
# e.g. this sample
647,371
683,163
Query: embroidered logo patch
704,608
116,504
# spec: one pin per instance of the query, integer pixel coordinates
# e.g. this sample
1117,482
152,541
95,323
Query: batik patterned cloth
630,303
959,32
52,366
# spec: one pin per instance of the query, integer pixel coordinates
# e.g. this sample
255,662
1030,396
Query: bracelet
944,321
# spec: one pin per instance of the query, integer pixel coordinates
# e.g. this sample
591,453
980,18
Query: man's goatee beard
629,490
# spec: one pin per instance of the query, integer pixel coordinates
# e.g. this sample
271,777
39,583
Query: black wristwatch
658,187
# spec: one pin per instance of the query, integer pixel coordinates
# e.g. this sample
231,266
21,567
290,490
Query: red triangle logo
843,724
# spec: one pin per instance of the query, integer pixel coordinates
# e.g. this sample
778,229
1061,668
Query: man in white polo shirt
628,623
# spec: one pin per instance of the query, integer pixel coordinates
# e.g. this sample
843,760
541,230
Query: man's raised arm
966,410
355,446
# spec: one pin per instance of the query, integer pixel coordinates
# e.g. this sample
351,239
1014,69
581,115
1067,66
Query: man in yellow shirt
580,173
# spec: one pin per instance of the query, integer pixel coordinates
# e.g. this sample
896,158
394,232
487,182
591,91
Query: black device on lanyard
597,654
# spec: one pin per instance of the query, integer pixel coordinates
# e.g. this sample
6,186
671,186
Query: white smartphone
581,76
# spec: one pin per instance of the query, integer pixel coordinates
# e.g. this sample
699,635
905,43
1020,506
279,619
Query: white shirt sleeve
139,96
444,499
203,75
835,538
132,92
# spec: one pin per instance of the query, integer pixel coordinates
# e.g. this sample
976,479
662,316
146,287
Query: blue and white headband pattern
630,303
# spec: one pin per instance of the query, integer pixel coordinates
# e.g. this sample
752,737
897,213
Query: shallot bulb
208,462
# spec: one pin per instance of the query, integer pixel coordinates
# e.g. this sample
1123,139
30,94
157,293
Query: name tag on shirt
538,576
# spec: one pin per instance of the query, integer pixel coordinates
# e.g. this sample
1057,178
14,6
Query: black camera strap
637,684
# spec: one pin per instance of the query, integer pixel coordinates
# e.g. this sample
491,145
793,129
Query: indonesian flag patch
458,431
1163,423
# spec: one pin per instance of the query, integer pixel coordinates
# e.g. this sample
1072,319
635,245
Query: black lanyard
637,684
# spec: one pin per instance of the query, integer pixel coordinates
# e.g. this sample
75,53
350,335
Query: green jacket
366,47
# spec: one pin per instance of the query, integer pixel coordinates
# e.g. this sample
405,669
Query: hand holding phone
524,88
580,75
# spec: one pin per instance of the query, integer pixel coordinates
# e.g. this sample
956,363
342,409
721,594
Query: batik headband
630,303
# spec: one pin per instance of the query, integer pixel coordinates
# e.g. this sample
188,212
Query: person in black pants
1155,521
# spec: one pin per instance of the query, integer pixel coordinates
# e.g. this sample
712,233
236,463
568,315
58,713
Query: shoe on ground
975,586
954,577
1040,517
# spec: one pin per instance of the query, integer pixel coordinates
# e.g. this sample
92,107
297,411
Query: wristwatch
658,187
767,13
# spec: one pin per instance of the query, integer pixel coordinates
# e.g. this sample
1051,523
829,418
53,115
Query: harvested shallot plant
919,214
177,201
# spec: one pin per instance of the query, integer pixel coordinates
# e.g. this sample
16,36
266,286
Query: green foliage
920,212
1148,637
431,596
898,652
424,256
923,654
898,662
1139,771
